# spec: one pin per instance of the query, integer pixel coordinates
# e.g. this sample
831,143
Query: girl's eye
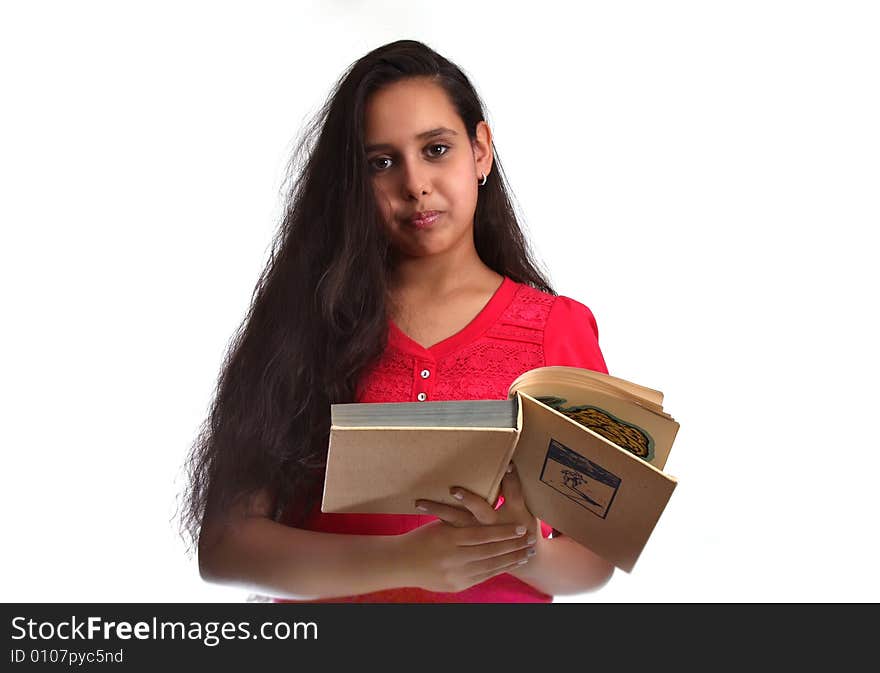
445,149
374,166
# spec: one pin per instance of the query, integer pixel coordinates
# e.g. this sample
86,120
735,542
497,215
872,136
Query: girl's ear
482,148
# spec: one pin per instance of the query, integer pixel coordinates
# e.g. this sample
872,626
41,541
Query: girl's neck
440,275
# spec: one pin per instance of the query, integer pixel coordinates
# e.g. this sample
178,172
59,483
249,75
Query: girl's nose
415,179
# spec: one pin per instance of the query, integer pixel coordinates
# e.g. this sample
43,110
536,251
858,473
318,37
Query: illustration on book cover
626,435
579,478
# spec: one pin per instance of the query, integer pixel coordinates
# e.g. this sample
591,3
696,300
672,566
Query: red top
519,329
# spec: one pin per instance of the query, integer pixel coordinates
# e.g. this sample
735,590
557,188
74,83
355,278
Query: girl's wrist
393,562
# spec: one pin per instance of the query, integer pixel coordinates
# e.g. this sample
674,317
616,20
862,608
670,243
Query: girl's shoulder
570,330
555,312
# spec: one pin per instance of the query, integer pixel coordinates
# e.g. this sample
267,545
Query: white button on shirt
422,397
425,373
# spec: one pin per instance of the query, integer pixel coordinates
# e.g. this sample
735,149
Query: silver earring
484,178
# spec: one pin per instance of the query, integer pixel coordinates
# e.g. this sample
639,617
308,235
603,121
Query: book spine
502,468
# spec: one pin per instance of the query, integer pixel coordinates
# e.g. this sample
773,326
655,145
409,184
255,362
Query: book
590,450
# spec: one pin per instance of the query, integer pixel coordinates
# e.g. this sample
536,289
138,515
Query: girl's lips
425,222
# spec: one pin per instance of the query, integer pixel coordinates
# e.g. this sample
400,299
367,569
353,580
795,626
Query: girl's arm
563,567
269,558
256,553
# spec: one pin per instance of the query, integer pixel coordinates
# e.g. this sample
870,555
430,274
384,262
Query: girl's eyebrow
439,131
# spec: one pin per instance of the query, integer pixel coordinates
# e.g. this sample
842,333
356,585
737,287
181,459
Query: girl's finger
489,553
511,487
480,535
499,565
476,579
454,516
482,510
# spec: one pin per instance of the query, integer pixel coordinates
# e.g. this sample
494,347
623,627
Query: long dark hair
317,318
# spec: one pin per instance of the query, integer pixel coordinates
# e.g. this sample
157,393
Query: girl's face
421,159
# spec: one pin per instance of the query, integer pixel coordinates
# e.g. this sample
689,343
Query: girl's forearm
268,558
271,559
563,567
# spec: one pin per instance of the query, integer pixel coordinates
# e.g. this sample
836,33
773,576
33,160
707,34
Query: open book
589,448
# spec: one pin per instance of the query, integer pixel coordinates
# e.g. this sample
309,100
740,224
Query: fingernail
531,552
422,508
532,540
521,530
523,562
509,468
457,495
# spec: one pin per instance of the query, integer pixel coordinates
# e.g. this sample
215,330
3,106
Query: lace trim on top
479,362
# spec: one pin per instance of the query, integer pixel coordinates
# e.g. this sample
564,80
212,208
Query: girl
400,273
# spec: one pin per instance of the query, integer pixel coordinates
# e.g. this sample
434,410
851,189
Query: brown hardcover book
589,448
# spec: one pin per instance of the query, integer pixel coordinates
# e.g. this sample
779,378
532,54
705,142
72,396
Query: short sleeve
571,337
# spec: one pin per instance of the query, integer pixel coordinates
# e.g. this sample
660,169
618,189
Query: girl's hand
440,557
478,511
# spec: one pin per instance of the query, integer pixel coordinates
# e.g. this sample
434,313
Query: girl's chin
421,249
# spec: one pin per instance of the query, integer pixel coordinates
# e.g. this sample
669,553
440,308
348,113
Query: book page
587,377
457,414
632,427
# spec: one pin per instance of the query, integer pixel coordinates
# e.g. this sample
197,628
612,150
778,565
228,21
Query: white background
703,175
